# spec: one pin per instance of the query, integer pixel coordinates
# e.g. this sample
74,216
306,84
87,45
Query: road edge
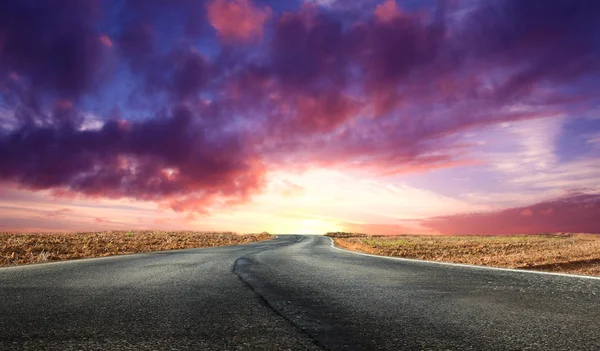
140,254
472,266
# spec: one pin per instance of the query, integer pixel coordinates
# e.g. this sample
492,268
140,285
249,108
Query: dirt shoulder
23,248
565,253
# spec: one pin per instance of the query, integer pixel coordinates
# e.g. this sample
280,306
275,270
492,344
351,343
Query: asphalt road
293,292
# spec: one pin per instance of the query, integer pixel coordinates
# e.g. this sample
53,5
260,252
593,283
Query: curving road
291,293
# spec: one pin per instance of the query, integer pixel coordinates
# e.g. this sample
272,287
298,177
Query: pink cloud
60,212
237,20
105,40
527,212
579,213
387,11
102,220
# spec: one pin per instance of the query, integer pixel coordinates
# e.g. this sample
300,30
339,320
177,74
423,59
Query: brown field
21,248
566,253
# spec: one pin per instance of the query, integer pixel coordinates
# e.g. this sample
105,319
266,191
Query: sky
300,116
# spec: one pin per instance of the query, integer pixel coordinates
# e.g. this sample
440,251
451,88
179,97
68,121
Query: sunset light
305,226
301,116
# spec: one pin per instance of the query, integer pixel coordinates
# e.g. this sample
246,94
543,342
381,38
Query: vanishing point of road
290,293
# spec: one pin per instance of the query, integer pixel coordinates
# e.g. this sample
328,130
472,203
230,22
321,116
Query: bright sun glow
305,226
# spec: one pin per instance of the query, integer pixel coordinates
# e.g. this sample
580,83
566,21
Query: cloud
575,213
347,197
101,220
396,92
66,58
23,210
290,189
527,212
170,159
237,20
387,11
201,121
59,213
106,41
555,41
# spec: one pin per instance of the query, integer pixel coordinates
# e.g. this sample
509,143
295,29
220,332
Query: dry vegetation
20,248
567,253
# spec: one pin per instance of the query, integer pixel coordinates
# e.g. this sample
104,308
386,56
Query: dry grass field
566,253
21,248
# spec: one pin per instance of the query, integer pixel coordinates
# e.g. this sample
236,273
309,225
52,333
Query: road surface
290,293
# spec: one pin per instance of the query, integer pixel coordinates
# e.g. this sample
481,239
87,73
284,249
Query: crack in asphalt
263,300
